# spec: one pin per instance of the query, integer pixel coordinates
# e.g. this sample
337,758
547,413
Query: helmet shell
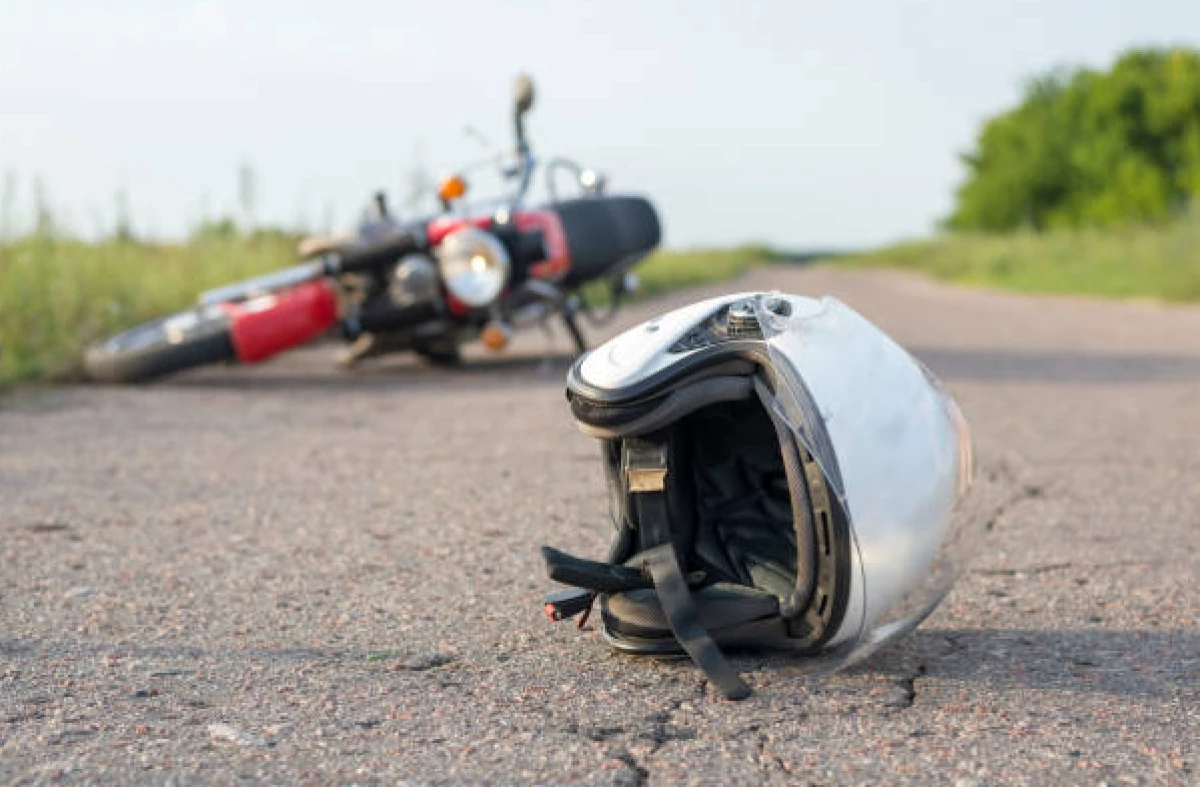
893,445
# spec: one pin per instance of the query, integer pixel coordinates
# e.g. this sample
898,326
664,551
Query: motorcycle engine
414,280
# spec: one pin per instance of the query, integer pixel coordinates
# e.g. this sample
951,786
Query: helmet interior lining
742,515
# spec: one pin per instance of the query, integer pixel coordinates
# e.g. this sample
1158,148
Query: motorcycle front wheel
196,337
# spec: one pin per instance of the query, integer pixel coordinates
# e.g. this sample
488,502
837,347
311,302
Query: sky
797,123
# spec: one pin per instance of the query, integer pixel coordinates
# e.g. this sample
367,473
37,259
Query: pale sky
803,124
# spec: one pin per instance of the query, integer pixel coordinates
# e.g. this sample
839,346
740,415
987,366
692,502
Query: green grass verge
672,270
1134,262
57,296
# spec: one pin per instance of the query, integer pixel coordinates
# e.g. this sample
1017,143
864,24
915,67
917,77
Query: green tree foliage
1089,148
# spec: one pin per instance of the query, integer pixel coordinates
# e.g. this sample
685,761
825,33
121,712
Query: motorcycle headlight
474,266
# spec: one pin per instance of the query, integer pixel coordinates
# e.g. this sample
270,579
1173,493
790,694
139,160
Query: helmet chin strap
645,466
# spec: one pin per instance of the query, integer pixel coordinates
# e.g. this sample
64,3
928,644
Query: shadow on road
979,365
1130,663
1133,663
382,375
1057,366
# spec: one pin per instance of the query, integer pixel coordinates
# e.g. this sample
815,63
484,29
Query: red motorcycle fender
264,326
557,263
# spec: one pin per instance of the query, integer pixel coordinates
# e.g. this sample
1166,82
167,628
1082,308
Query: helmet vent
741,321
734,321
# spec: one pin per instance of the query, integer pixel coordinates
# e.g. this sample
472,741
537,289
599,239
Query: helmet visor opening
731,473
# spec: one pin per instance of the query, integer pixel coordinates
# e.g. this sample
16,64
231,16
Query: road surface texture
290,574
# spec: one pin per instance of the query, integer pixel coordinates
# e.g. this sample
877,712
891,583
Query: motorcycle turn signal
495,336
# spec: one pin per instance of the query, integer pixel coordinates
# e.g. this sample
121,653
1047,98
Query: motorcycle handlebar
377,254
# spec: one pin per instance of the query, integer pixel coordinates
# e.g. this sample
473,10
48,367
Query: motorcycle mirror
524,94
381,205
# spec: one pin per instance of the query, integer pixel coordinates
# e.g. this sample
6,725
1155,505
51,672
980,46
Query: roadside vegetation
1138,261
57,295
673,270
1090,185
1088,148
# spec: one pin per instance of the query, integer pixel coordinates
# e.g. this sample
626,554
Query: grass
382,655
1161,263
57,295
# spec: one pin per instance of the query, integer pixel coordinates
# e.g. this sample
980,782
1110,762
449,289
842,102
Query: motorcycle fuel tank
269,324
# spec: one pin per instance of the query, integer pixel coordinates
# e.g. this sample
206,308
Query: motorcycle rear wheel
188,339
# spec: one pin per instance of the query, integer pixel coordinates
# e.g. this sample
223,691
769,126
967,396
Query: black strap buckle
566,604
644,464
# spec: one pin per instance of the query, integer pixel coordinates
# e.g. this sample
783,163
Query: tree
1088,148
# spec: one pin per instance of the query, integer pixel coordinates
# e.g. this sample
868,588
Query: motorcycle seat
606,234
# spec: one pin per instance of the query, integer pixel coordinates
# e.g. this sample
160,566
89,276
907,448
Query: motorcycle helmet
781,475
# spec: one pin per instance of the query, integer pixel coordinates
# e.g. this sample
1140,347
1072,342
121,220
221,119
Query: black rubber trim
618,625
838,586
608,416
611,415
803,516
816,618
753,351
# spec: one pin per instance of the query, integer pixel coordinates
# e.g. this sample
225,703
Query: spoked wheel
192,338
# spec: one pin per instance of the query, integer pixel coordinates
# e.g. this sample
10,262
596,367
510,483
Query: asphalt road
289,574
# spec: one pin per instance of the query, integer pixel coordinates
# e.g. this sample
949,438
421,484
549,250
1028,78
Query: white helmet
782,475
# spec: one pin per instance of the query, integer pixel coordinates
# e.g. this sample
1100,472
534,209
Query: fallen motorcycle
426,286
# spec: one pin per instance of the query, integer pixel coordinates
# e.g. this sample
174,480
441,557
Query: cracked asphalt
289,574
